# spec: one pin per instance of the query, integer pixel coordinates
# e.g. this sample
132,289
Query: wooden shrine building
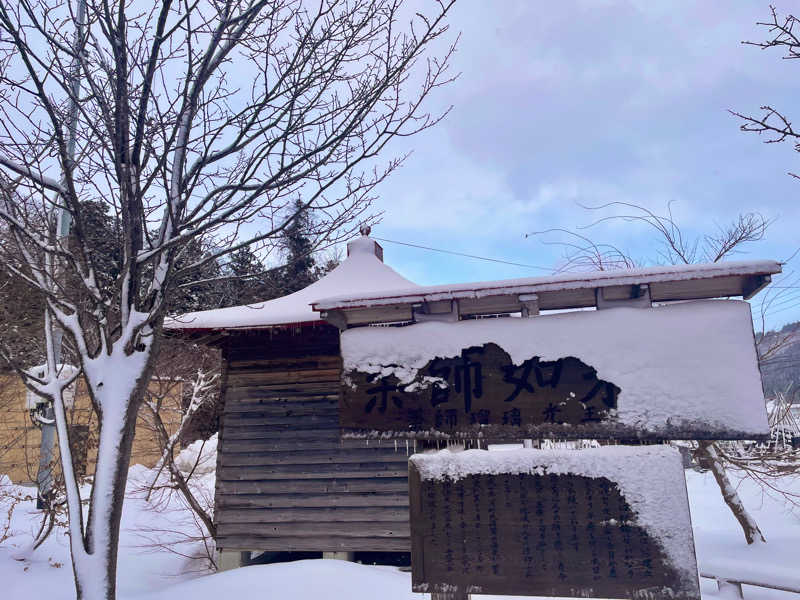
287,480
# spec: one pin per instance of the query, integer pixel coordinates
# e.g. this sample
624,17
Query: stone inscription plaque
481,391
538,535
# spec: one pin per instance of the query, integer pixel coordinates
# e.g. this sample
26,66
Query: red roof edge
201,330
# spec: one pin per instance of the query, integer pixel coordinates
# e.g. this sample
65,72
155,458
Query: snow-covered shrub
184,529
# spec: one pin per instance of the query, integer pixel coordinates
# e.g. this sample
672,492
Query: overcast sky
576,103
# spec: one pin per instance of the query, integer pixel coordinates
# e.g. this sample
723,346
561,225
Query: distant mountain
780,365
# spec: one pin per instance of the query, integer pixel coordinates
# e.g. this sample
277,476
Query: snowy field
148,572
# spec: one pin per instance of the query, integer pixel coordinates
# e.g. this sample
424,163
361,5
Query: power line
776,301
495,260
770,313
793,255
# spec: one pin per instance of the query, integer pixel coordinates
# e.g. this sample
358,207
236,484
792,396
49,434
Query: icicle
395,445
406,446
415,445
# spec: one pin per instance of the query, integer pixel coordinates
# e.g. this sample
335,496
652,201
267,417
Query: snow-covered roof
674,282
362,272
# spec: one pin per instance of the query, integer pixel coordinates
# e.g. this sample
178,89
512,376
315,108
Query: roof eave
227,329
745,280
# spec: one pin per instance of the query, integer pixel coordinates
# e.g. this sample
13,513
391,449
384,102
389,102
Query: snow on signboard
609,522
682,371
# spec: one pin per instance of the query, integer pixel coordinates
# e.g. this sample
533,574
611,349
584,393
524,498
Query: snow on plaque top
683,371
610,522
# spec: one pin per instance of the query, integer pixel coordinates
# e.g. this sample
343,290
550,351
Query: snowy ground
156,574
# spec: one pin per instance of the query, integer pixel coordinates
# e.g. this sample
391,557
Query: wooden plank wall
20,440
285,481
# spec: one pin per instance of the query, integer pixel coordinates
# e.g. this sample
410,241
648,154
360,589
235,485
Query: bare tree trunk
178,162
708,458
94,546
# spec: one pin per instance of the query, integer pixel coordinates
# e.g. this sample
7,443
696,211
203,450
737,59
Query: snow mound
300,580
199,457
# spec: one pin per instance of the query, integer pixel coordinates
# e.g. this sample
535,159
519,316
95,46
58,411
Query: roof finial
365,230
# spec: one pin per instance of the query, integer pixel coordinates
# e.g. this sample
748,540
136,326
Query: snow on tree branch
206,125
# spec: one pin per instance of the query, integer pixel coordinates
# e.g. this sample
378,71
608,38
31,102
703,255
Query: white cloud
589,102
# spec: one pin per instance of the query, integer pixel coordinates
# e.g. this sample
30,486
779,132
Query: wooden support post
445,311
338,555
754,284
335,318
456,595
530,304
730,589
231,559
640,298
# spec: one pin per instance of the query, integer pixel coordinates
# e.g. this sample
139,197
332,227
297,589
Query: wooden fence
20,439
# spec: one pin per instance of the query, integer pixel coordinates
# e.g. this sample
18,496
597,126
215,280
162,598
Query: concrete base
338,555
450,596
231,559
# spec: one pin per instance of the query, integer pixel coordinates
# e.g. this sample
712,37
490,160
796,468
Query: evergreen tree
21,317
104,240
22,307
325,267
299,271
244,279
249,285
202,288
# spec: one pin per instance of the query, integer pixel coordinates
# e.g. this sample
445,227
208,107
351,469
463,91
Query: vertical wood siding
285,481
20,439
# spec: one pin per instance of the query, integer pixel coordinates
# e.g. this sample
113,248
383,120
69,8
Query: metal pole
44,477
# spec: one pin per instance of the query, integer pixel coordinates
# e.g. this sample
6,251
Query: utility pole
45,415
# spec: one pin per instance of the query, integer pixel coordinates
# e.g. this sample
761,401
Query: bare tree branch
197,123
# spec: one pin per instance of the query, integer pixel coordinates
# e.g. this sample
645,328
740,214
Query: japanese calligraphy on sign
539,535
480,390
